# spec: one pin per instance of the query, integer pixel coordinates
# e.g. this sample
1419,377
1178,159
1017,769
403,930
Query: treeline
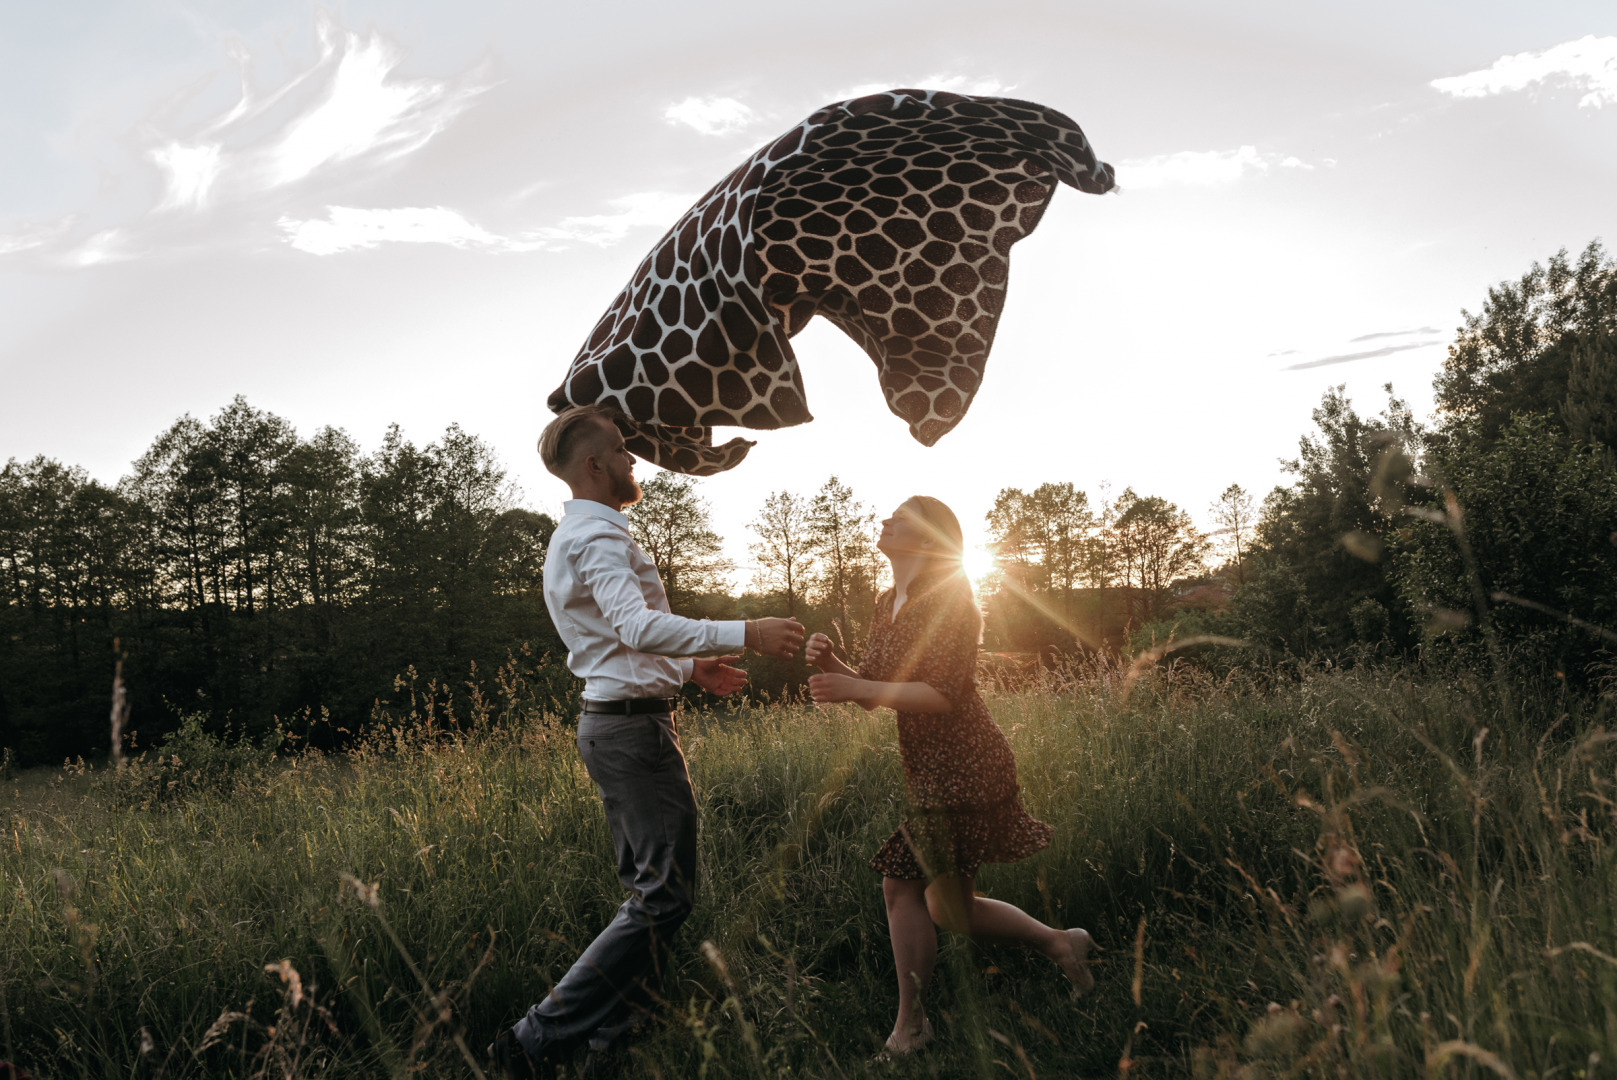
250,574
1488,539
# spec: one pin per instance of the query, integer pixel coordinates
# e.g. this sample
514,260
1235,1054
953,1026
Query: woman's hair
941,526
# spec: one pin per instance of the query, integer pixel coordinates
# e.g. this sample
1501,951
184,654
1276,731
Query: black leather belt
640,706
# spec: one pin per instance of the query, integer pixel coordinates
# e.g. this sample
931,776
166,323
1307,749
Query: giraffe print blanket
891,215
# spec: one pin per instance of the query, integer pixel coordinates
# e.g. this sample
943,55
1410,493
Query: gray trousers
637,764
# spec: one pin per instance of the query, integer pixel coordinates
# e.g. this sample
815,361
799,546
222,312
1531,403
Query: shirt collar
591,508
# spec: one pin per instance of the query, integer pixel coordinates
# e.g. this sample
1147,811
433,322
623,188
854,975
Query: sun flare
979,562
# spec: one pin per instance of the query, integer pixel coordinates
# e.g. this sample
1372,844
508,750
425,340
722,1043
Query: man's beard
627,489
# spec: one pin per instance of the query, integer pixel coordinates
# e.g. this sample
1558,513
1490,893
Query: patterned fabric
958,767
891,215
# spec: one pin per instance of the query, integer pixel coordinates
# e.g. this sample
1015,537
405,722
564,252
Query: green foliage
842,532
1537,511
249,573
1539,346
1050,542
671,524
1317,557
192,760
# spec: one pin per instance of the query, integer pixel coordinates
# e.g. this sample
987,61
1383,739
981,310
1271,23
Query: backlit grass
1350,874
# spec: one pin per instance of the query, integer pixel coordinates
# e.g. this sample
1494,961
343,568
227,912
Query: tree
839,537
245,448
1066,523
1590,408
1537,511
1235,516
1324,534
1016,534
785,551
671,524
1158,545
1517,356
320,506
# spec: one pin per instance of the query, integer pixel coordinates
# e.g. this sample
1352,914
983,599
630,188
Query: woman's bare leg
954,905
915,949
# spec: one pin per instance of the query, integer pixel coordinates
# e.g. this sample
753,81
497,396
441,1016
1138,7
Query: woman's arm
914,697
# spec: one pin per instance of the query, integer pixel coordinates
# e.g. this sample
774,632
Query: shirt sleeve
603,569
943,651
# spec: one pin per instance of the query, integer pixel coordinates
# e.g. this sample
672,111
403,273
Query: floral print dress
964,805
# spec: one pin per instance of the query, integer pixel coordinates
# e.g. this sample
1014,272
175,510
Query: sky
414,212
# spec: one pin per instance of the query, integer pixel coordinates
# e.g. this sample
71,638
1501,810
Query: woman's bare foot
902,1042
1074,960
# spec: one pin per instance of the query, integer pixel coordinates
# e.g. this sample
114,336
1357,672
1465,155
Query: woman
920,661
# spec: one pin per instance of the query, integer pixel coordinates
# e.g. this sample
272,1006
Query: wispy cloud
106,246
959,84
1368,354
647,209
1201,168
345,118
1588,64
346,228
1394,333
30,235
363,110
188,173
711,116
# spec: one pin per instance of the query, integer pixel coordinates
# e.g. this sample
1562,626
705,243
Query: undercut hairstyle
559,443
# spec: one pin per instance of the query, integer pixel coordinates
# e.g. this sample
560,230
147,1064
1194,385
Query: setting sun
979,563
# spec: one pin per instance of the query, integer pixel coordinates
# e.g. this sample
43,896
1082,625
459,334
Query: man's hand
715,675
775,637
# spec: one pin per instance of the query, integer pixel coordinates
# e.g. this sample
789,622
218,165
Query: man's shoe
513,1062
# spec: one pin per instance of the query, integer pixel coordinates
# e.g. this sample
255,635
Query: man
611,610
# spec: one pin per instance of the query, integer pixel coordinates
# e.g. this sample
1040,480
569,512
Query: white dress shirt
610,608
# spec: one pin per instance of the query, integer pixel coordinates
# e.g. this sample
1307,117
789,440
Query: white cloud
362,110
347,228
658,209
29,235
106,246
959,84
340,120
190,172
1190,168
711,116
1588,64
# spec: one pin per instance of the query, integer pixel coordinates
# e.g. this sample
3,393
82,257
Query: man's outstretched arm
603,566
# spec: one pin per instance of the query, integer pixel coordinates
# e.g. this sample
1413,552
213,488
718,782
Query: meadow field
1334,873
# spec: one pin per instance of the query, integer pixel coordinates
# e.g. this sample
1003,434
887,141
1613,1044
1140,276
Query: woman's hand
829,689
819,653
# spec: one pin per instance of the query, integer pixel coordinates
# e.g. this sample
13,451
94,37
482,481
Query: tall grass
1352,873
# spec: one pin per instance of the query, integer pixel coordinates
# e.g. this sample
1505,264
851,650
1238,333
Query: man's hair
560,441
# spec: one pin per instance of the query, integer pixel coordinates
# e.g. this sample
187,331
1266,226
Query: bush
192,760
1537,511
